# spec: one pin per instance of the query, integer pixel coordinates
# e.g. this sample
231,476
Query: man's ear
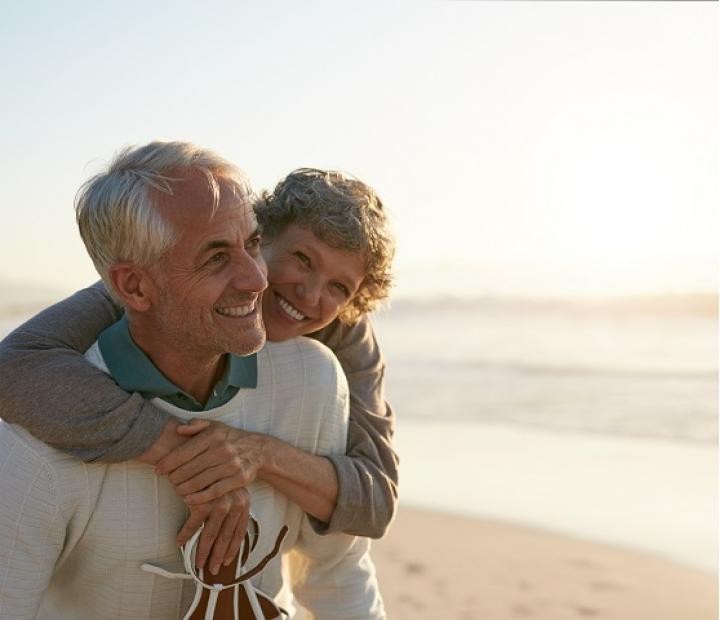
133,286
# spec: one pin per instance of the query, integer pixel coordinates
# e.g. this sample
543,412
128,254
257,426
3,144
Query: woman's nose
311,291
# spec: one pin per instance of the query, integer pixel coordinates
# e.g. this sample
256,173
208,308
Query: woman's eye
253,244
342,288
303,258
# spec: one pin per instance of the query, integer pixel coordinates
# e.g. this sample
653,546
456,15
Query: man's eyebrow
216,244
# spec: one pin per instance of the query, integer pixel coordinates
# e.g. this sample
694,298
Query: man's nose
250,274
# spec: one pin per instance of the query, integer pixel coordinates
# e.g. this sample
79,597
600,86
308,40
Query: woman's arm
355,493
48,387
222,458
368,472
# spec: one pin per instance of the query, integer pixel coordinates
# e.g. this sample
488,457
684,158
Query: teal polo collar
134,371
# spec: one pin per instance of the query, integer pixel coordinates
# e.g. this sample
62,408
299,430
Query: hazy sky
522,148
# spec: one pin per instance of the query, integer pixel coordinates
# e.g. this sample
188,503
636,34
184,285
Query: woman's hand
225,515
217,459
226,520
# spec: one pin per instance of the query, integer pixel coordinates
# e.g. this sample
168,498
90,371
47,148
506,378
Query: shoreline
432,565
651,495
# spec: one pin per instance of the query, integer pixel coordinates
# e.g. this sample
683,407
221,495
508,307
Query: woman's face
309,283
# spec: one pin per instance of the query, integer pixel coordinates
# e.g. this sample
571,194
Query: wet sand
433,566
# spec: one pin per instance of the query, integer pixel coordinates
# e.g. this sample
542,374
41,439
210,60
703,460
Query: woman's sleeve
47,386
368,472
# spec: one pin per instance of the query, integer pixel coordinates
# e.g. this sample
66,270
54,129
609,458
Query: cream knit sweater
74,535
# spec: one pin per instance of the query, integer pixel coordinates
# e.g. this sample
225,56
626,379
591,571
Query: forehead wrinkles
197,194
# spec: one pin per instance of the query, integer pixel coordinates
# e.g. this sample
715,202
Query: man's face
210,282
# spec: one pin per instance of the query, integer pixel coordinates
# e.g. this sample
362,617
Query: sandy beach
433,566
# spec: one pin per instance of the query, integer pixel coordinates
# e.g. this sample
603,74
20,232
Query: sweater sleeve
368,472
334,577
94,419
33,528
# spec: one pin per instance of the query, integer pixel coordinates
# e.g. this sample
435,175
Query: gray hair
116,209
343,212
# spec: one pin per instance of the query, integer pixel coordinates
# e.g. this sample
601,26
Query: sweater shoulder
307,349
304,361
30,466
15,440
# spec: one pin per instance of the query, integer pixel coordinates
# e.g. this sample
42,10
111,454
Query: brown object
233,601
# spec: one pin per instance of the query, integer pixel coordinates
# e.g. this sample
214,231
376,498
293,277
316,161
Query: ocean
555,367
598,421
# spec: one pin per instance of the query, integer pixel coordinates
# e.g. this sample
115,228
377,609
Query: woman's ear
132,285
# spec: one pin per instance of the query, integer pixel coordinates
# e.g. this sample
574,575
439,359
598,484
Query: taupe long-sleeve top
97,421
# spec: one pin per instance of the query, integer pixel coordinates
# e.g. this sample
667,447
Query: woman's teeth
290,310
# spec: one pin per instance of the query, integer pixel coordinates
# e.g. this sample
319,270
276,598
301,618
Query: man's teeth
290,310
236,311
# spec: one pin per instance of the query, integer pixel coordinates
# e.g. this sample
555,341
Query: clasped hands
210,472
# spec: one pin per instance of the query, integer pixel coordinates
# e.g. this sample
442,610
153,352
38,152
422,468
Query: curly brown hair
343,212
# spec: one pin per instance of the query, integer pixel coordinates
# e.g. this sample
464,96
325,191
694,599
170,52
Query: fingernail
214,569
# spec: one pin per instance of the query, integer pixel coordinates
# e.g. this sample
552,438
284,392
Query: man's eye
253,244
220,257
303,258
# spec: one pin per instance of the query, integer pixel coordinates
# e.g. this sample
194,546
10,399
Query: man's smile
237,311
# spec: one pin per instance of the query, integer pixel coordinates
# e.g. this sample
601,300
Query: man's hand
216,461
226,519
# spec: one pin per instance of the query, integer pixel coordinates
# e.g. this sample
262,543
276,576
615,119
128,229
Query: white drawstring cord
214,589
